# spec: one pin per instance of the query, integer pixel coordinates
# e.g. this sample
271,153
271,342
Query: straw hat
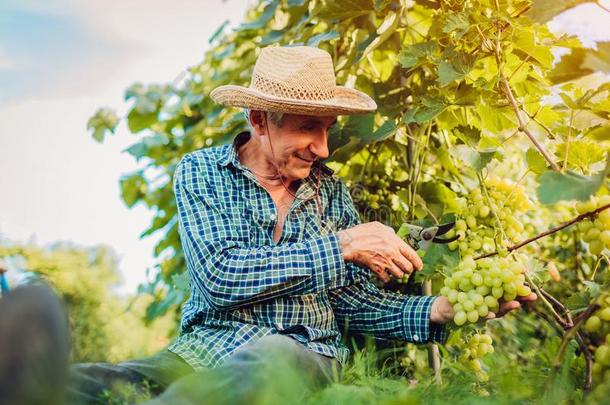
295,80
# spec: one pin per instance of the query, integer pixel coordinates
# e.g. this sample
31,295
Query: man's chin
300,173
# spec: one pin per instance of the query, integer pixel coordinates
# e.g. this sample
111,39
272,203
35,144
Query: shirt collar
229,154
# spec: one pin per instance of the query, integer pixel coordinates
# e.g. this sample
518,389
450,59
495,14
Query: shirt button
415,338
272,217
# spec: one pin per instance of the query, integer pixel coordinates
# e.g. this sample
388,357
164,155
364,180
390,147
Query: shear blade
444,228
448,240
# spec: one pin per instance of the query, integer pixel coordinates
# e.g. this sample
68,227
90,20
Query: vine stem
571,333
544,297
551,231
522,125
588,361
558,305
434,357
513,101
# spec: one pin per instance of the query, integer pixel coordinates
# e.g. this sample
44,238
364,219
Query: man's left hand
442,310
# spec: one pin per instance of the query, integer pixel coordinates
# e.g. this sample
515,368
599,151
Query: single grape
473,316
459,318
593,324
604,314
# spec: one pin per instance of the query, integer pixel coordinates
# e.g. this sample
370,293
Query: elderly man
272,240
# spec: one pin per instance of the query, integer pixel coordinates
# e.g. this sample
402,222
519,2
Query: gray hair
276,117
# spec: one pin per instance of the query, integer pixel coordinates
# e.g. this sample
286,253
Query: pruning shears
419,237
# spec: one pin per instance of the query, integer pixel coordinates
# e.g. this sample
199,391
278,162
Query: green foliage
104,120
100,321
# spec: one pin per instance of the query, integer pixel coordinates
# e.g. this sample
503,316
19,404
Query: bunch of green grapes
601,373
379,190
473,349
475,288
478,228
597,232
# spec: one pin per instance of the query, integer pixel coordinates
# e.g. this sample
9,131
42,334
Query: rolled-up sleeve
361,307
230,274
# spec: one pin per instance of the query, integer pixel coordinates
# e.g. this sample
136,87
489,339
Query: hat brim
346,101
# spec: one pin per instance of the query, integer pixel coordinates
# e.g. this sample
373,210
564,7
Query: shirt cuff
329,270
416,321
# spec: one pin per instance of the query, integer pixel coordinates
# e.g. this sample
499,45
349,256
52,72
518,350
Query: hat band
301,92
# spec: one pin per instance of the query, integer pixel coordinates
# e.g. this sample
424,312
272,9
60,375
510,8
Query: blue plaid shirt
245,286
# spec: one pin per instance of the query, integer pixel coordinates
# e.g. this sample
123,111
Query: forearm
230,276
364,309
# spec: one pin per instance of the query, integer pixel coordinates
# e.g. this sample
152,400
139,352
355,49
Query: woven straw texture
297,80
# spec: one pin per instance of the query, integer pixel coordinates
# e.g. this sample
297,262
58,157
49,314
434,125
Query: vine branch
551,231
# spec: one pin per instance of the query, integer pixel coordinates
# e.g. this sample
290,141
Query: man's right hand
376,246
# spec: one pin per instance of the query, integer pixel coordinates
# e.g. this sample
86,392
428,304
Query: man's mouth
310,161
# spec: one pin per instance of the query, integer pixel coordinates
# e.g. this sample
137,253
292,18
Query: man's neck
252,156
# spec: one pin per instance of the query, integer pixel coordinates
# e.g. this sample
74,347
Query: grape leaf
554,186
104,120
446,73
324,37
438,257
467,134
181,281
544,10
456,24
475,159
386,130
601,133
427,110
598,60
138,122
593,287
582,153
343,9
412,55
535,161
455,69
578,300
262,20
132,188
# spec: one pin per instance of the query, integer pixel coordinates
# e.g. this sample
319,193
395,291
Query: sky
60,60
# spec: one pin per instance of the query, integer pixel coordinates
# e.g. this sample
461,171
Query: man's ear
257,120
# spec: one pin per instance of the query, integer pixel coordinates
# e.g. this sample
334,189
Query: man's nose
319,146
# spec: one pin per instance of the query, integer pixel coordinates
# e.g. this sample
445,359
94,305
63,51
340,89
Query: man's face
298,143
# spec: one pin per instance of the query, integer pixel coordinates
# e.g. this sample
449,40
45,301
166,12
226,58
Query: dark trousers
100,383
275,369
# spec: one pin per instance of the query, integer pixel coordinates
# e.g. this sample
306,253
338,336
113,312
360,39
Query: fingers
528,298
382,274
506,307
394,270
405,266
410,254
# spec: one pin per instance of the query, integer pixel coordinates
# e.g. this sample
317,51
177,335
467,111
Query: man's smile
309,161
